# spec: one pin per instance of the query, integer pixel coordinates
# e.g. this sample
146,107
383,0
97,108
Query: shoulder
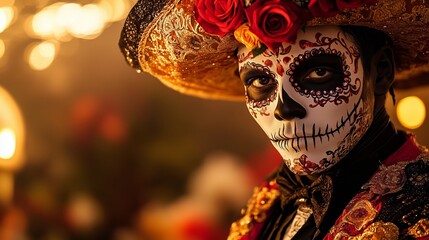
407,204
394,203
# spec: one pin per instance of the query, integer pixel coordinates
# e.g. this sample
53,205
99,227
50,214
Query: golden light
411,112
83,212
63,21
2,48
11,144
11,133
6,17
42,55
7,143
116,10
67,14
43,23
6,3
89,23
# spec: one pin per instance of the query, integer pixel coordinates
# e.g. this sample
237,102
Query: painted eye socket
260,84
323,72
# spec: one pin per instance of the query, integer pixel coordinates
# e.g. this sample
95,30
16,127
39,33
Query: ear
385,70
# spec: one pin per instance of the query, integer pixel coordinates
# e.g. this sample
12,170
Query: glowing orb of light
411,112
43,23
42,55
116,10
7,143
2,48
90,23
6,17
11,133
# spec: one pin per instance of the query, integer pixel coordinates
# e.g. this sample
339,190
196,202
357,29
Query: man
329,123
318,92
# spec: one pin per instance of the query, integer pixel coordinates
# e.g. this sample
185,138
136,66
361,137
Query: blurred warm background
89,149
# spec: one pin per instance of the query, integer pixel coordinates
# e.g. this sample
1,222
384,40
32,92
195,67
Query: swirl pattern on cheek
254,111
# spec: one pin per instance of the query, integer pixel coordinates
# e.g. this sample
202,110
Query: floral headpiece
190,45
266,23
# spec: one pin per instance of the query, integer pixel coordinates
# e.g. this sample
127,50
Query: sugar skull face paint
310,97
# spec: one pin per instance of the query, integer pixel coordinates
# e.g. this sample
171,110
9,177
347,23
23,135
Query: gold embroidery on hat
175,49
406,21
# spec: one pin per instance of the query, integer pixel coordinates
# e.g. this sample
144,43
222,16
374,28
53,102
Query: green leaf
257,51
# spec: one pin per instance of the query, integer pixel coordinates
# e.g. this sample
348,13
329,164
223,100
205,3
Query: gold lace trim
356,217
175,49
379,231
406,21
256,212
420,229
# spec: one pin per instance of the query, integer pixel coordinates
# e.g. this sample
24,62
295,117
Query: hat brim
177,51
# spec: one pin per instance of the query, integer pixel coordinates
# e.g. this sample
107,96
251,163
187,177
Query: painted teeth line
297,140
313,134
283,141
305,137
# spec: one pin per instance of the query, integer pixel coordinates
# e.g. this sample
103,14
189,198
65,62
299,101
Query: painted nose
288,109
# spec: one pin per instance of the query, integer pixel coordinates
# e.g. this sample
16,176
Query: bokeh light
6,3
7,143
90,22
63,21
84,212
42,55
411,112
66,16
11,133
2,48
116,10
6,17
44,23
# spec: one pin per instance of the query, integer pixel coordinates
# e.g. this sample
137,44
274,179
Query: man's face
310,98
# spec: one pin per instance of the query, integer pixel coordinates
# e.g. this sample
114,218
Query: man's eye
261,88
319,74
323,72
261,82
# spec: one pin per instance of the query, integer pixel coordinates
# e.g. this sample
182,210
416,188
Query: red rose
219,17
323,8
275,21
